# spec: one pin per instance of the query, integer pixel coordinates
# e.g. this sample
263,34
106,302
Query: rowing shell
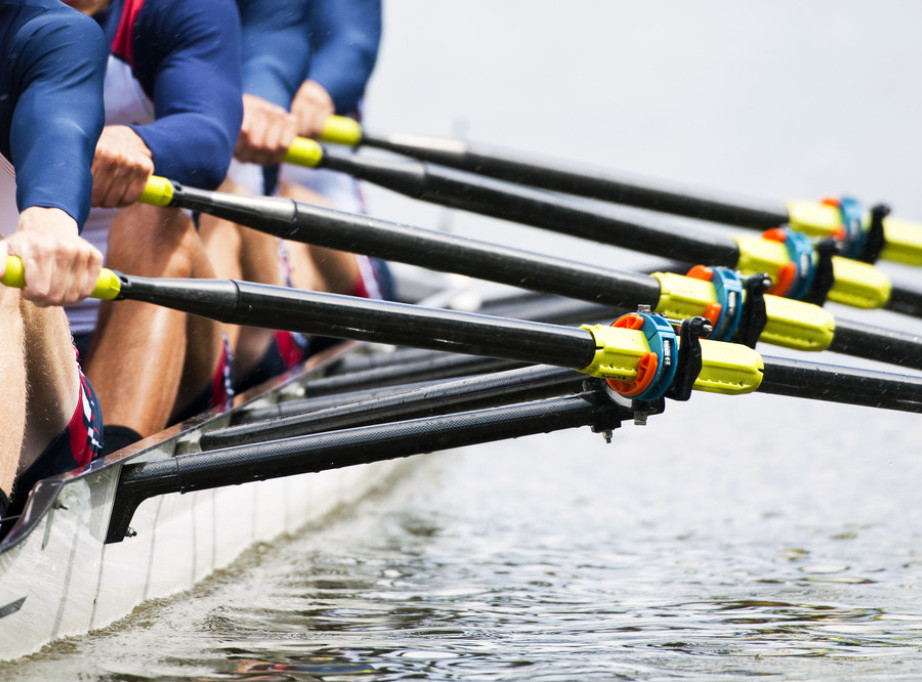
59,577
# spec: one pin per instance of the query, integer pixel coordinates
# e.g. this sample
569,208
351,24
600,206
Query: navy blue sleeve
190,52
276,48
345,35
57,59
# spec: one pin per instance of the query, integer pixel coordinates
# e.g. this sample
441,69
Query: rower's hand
266,133
60,267
312,106
121,166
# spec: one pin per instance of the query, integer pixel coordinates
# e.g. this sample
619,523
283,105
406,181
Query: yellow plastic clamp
859,284
681,297
305,152
617,352
107,286
796,324
903,241
729,368
342,130
814,219
157,192
761,255
789,323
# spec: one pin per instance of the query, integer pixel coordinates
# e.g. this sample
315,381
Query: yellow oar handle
342,130
107,288
157,192
305,152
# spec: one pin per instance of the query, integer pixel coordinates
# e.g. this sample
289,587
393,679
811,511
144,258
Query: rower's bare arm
121,166
60,267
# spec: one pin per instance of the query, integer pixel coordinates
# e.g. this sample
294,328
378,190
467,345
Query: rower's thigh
52,376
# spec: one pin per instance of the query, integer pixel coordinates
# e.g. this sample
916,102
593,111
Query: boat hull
174,540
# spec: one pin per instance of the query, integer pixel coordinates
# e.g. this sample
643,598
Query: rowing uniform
173,77
334,42
50,87
344,37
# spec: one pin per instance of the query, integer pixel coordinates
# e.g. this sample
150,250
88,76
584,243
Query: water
731,538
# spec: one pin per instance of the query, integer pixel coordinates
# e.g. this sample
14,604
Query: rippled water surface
731,538
558,557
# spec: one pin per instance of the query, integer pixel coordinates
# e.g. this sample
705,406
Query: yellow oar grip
15,275
107,286
305,152
157,192
342,130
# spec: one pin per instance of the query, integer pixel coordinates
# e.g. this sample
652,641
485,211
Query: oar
789,377
323,451
788,258
790,323
435,398
607,352
899,241
623,355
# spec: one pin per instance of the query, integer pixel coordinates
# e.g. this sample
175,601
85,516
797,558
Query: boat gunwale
45,493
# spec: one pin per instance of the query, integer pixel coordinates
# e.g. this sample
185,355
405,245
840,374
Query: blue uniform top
51,114
344,35
334,42
275,48
186,57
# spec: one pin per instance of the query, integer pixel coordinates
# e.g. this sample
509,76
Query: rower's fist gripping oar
107,285
865,234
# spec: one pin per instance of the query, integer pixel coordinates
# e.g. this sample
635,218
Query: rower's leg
315,267
52,376
204,337
238,252
137,357
13,380
223,245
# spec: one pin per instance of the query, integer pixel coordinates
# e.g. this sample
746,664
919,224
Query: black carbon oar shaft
530,207
874,343
413,245
319,452
605,185
817,381
261,305
528,383
444,366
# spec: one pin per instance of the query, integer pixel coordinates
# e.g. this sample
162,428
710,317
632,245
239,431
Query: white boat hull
62,579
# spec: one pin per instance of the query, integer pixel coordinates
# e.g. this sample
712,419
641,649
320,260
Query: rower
172,98
345,36
51,79
279,45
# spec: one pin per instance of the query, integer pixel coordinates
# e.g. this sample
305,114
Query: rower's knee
153,241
